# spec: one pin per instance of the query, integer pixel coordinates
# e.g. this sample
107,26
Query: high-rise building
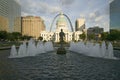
4,24
10,16
115,14
32,26
95,30
80,24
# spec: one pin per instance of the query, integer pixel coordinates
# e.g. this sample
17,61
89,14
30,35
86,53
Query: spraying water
31,49
94,50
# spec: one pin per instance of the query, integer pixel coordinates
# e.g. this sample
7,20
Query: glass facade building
115,14
10,16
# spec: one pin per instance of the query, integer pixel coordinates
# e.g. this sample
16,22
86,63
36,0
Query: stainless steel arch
53,21
66,17
69,22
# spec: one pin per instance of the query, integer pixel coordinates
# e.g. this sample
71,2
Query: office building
32,26
95,30
10,13
80,24
115,15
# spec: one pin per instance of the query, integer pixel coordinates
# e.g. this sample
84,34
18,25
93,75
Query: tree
26,37
91,36
104,35
40,38
16,35
10,37
82,36
114,35
3,35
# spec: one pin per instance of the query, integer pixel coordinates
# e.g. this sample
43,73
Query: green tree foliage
104,35
83,36
3,35
91,36
40,38
114,35
15,36
10,37
25,37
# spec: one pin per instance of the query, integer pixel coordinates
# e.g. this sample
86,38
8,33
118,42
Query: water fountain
31,49
94,50
89,49
48,46
13,52
40,48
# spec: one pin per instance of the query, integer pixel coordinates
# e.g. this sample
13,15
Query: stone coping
5,48
9,47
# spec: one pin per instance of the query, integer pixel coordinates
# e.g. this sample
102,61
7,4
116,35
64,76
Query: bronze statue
61,49
62,35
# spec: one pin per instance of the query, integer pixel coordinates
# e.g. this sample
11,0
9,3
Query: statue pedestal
61,51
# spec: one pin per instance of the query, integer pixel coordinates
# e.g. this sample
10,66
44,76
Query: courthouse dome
61,19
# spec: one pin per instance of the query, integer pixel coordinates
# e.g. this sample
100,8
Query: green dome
61,19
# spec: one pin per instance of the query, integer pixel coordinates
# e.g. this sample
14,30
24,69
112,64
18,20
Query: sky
95,12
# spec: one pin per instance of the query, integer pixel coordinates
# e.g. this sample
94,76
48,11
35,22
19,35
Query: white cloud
67,2
110,1
48,8
47,19
92,15
99,18
47,22
106,26
26,14
82,15
18,1
38,7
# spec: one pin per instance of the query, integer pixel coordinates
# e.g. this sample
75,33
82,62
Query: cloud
106,26
18,1
48,8
47,19
34,7
67,2
92,15
26,14
99,18
110,1
82,15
